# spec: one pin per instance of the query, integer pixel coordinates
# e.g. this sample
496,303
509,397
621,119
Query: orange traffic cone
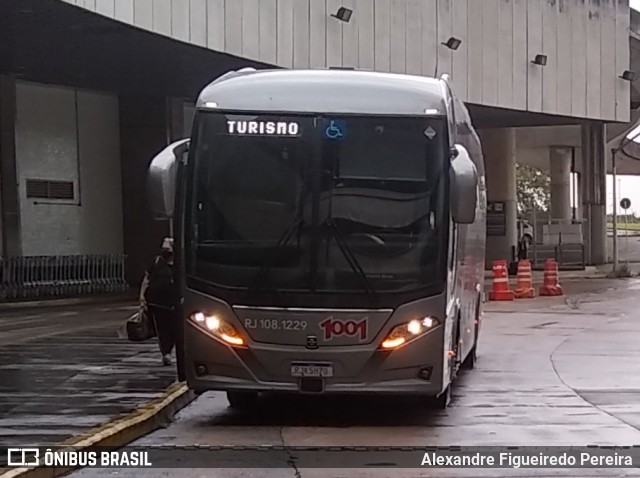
501,289
524,286
551,285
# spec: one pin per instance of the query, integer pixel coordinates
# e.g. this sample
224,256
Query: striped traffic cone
500,289
551,284
524,286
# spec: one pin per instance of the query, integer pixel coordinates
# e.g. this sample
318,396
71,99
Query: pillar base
502,247
596,235
593,188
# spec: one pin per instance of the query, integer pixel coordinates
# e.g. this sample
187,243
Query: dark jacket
162,289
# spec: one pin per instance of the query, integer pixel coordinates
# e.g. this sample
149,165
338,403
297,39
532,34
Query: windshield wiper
351,260
284,239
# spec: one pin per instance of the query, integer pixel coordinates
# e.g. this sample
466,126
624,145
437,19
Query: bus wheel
472,358
470,362
242,400
455,363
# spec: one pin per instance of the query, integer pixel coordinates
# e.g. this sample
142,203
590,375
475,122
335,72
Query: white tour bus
329,234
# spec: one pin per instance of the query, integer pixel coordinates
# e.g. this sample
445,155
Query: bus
329,230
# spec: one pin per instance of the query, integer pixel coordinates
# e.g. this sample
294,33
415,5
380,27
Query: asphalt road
628,247
551,372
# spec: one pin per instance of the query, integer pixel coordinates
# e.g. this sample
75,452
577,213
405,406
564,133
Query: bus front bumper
416,368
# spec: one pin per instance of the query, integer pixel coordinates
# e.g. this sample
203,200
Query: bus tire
472,358
456,362
470,362
242,400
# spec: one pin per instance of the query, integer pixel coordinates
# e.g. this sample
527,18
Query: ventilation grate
43,189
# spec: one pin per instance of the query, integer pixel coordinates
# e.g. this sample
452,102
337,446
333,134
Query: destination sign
263,128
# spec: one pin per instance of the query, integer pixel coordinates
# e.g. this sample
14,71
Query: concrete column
143,133
560,166
593,188
10,236
578,194
147,125
499,146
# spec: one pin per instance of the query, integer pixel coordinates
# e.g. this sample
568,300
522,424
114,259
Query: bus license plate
311,370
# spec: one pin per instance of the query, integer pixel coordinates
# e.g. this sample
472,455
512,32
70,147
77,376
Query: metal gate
561,240
30,277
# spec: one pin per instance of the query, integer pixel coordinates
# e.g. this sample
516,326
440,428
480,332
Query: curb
118,432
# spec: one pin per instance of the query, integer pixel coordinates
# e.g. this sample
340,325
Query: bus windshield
318,205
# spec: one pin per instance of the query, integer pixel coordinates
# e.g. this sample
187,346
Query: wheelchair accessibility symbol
335,129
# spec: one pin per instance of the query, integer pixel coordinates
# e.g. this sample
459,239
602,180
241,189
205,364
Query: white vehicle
525,231
330,234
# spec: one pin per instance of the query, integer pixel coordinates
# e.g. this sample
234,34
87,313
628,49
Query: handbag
140,326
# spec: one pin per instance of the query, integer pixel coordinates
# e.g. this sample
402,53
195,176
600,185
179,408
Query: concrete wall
68,135
586,41
9,200
100,183
143,133
189,113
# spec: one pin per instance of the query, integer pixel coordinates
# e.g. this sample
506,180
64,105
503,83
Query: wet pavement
64,370
551,371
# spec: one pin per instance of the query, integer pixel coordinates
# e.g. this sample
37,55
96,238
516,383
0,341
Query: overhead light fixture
343,14
540,60
452,43
628,75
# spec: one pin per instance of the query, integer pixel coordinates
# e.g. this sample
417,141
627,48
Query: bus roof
325,91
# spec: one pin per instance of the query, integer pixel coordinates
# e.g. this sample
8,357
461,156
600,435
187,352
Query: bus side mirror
161,179
463,179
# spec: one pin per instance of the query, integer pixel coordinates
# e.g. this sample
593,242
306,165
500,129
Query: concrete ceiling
50,41
533,144
545,136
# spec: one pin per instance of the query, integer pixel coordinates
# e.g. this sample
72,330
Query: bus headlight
401,334
218,327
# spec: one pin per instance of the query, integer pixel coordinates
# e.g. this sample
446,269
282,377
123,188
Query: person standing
160,297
